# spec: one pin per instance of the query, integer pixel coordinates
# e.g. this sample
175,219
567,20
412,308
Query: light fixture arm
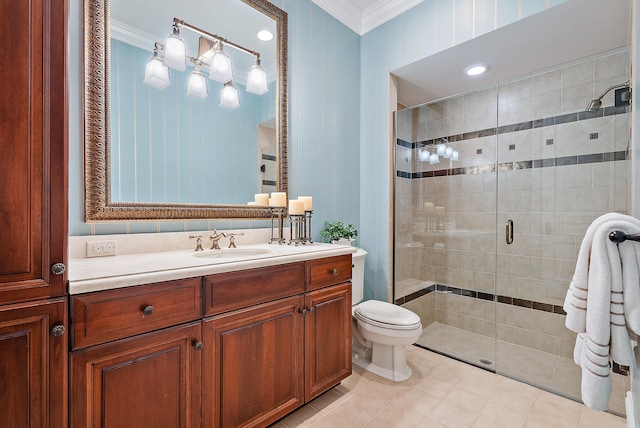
177,23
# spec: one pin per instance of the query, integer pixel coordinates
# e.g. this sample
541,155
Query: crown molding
383,11
132,35
344,11
362,21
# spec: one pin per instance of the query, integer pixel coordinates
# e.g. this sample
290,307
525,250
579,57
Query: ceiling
570,31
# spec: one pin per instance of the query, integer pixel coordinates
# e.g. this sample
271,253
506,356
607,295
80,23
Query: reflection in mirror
170,155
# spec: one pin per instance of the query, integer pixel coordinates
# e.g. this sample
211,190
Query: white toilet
380,330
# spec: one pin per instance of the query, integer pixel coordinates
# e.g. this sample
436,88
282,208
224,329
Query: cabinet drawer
235,290
328,271
109,315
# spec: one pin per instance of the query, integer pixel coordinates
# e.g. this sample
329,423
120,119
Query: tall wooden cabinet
33,213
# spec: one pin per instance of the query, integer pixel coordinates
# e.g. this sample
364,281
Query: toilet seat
386,315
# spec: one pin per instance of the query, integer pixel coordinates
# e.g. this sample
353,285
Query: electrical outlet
101,248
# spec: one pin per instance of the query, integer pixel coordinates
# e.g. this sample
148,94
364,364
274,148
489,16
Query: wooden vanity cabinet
150,380
33,214
263,361
33,364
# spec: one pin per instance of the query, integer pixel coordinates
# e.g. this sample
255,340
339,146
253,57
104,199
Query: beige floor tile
349,414
453,416
446,393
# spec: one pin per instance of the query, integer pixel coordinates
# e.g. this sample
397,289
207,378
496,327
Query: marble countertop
105,273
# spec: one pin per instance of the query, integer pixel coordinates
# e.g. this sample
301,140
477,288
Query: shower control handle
509,232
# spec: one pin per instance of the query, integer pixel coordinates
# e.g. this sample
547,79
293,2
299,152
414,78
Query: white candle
308,202
429,207
296,207
251,203
278,199
261,198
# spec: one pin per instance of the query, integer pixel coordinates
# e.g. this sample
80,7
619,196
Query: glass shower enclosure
494,190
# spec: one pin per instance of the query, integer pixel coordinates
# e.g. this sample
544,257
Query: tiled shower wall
528,150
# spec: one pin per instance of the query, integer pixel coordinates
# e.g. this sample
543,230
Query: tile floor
548,371
443,393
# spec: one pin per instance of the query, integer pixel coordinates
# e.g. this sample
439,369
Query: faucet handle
232,235
198,242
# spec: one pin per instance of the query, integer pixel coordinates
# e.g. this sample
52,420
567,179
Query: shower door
486,242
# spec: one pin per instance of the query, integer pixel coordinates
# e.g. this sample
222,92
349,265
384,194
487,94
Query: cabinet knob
334,271
57,330
148,310
58,268
198,346
303,311
312,309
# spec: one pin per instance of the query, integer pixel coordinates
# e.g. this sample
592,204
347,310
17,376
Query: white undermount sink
229,253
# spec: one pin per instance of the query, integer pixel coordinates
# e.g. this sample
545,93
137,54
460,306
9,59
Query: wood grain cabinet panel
151,380
33,365
328,271
327,338
254,364
108,315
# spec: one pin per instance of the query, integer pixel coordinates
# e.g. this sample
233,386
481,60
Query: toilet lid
391,315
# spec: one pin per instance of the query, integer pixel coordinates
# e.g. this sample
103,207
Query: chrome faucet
198,239
215,238
232,242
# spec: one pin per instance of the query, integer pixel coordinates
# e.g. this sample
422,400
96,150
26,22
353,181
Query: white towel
604,294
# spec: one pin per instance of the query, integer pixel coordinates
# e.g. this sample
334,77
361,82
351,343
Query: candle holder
307,226
277,213
297,228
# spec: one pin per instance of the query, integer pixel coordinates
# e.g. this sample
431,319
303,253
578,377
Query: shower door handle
509,232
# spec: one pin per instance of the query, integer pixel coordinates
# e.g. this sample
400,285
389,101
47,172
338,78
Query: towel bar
618,237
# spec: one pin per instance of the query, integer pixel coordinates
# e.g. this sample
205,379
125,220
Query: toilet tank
357,276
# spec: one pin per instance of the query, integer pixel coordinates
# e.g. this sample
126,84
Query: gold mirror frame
98,205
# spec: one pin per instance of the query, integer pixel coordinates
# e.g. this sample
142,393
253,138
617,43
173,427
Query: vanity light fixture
229,96
257,79
156,73
220,67
175,52
476,69
443,149
197,84
211,55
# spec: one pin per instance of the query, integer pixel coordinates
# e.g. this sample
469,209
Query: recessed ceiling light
265,35
476,69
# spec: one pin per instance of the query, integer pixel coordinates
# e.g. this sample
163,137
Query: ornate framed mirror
139,164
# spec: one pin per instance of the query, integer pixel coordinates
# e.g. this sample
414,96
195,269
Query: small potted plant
339,233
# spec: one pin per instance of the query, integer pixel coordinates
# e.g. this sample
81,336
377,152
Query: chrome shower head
595,105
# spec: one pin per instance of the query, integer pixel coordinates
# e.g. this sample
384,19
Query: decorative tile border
545,307
510,166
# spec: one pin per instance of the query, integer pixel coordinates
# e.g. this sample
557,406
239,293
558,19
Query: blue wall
339,113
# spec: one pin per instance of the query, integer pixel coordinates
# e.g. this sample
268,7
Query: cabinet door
253,364
33,365
33,149
151,380
327,338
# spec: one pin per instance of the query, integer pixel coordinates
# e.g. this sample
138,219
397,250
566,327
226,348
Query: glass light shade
257,80
442,148
434,159
156,73
229,96
448,152
175,52
454,156
220,68
424,155
197,84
